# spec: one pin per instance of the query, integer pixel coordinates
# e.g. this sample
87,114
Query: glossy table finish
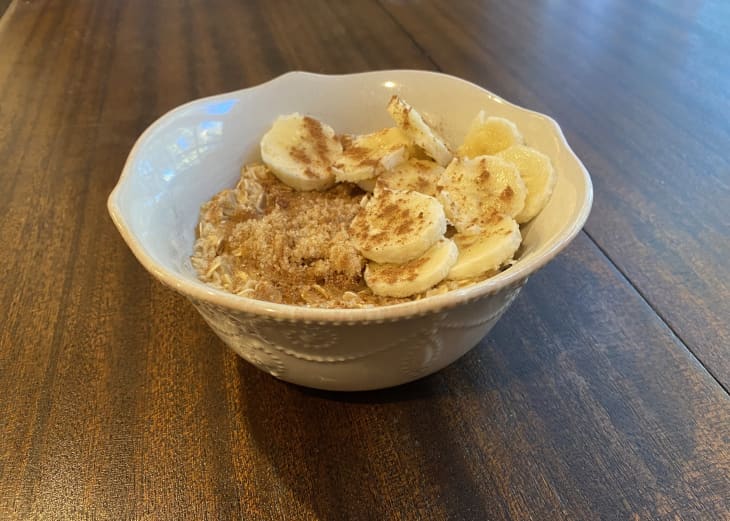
601,394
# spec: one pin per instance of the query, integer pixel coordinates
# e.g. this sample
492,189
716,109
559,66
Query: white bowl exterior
357,356
195,151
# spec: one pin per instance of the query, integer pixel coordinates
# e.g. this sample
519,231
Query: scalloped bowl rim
287,312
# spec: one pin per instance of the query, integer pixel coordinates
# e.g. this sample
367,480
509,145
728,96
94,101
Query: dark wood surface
599,395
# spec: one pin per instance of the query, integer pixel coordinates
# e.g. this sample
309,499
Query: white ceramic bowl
196,150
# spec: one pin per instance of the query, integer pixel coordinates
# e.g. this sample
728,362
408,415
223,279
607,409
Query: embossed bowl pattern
196,150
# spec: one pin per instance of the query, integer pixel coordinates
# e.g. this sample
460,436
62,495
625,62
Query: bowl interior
196,150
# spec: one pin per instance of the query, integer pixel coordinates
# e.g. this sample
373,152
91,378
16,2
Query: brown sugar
266,240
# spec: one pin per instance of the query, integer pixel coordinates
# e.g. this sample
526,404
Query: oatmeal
357,221
265,240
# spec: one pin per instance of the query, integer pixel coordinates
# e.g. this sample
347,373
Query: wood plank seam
656,312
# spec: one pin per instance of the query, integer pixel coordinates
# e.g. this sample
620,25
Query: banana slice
473,190
413,125
367,184
486,251
538,174
416,174
300,151
397,226
415,276
489,135
366,156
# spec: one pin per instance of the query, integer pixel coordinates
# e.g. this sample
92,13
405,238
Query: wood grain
119,403
639,92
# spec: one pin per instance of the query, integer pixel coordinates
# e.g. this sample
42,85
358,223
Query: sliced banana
489,135
413,125
415,276
486,251
418,175
538,174
366,156
396,226
367,184
300,151
473,190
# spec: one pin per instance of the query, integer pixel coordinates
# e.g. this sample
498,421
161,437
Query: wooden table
602,393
